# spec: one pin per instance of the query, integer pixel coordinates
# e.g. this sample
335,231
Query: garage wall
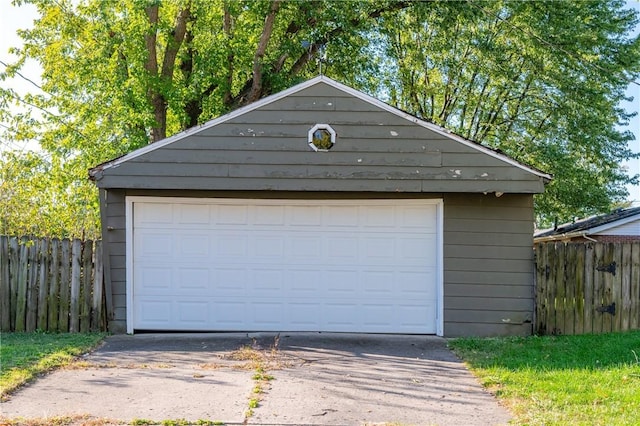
488,265
487,253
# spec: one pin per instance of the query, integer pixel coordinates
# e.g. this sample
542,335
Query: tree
540,81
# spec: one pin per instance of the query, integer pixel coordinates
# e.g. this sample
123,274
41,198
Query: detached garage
319,209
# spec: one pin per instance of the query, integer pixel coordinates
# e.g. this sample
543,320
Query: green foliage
588,379
541,81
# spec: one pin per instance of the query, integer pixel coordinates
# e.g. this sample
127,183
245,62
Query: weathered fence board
587,287
65,276
51,285
634,311
43,285
5,290
96,305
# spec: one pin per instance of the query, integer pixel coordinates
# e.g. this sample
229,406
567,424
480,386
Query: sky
13,18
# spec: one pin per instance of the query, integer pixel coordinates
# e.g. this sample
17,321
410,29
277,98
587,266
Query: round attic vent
322,137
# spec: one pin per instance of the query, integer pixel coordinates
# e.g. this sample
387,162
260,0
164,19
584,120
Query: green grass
23,356
589,379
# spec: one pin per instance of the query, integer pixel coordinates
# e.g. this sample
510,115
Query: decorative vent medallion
322,137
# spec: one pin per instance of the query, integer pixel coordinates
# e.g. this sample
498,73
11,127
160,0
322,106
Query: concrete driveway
305,379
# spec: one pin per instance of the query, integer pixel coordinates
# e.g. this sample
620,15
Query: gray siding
266,149
488,258
488,265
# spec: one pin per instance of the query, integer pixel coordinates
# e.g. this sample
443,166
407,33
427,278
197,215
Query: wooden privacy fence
51,285
587,287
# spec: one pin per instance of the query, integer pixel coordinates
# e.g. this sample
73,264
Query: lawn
25,355
589,379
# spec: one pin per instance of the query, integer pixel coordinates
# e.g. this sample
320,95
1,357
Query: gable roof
591,225
95,171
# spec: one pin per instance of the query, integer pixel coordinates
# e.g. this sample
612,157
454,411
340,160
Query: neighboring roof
591,225
309,83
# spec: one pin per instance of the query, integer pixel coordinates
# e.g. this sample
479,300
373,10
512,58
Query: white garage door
284,265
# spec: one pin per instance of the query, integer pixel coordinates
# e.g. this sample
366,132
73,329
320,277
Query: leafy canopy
541,81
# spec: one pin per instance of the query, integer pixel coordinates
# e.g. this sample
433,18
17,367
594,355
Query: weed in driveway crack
260,361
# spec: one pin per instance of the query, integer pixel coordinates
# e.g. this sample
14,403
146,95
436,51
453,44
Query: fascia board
613,224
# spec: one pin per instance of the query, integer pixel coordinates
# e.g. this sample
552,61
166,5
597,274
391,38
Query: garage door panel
153,213
298,216
225,265
340,284
341,216
192,314
267,315
192,279
152,278
267,247
231,214
154,311
231,281
267,283
229,314
305,316
268,216
193,246
192,214
155,244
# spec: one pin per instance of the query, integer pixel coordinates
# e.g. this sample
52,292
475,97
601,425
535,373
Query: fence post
96,308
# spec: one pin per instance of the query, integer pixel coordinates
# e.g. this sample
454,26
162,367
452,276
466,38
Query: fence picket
541,291
43,285
588,306
65,274
76,265
598,288
5,286
85,307
32,287
579,294
14,274
98,285
634,311
625,294
53,299
21,297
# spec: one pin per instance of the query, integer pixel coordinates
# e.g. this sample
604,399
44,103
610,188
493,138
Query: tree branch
174,43
151,64
267,30
227,27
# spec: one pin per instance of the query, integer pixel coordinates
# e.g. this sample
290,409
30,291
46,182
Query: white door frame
130,211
